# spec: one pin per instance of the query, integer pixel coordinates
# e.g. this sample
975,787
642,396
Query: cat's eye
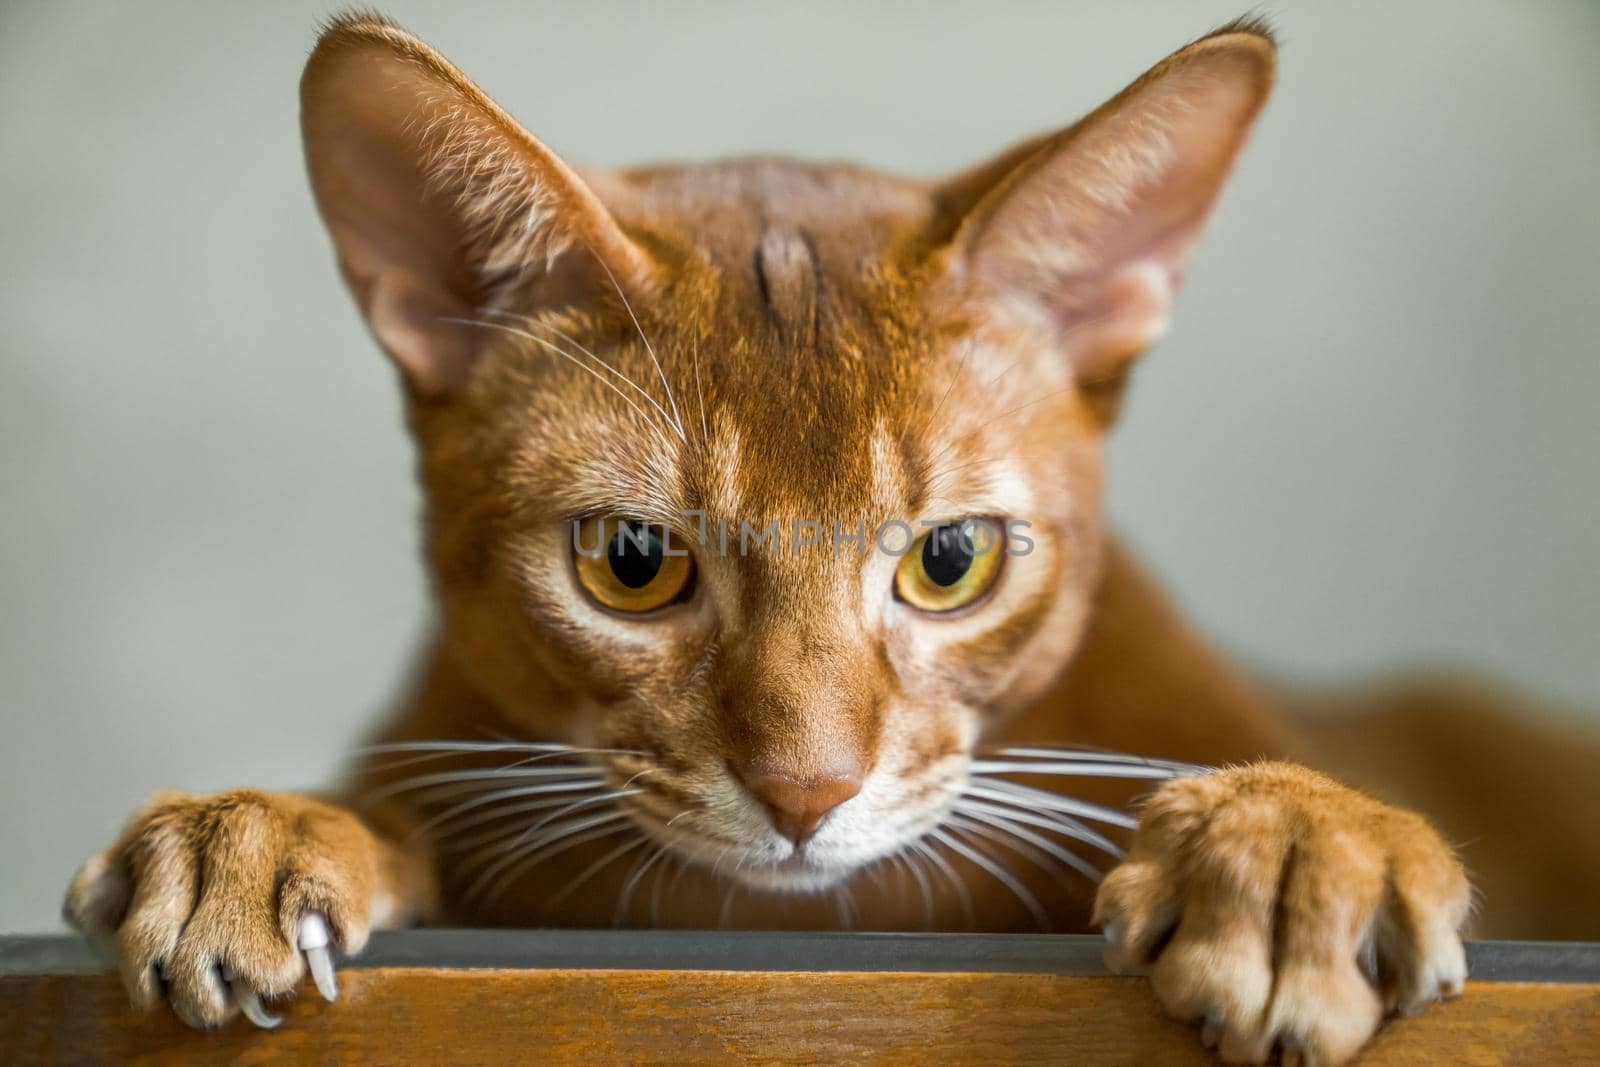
951,566
631,566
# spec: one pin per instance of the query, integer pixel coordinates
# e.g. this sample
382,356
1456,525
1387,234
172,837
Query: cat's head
868,409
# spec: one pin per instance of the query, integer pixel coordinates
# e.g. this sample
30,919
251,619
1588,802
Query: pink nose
797,805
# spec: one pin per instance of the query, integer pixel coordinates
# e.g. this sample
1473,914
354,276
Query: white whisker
913,864
1051,819
479,778
625,898
999,874
511,866
532,323
951,875
705,428
569,357
1082,808
1072,769
593,869
648,347
491,746
453,816
1095,755
844,902
531,831
726,914
1044,844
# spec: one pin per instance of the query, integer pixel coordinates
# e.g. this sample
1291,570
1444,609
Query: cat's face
823,652
782,480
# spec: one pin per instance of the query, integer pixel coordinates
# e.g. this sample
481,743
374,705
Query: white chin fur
805,879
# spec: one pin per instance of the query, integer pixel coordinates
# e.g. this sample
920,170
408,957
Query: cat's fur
766,340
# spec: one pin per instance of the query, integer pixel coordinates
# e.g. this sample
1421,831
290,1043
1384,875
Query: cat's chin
797,873
793,875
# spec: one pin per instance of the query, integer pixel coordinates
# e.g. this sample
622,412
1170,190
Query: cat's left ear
1087,232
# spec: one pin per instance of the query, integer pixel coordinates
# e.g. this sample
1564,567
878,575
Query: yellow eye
951,566
631,566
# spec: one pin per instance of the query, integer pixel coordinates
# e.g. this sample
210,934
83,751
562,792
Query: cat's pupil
635,554
947,555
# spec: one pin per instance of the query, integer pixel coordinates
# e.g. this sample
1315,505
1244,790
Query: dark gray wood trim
678,950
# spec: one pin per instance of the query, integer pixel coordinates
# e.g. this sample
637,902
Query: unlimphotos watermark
892,537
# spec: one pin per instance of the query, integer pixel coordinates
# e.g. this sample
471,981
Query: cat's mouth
499,809
969,812
766,861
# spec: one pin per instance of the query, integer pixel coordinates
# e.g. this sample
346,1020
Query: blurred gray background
1371,437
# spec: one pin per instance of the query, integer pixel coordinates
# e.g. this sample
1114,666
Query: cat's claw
313,941
1285,912
248,1001
191,931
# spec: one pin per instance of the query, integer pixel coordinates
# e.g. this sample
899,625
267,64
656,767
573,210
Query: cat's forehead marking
891,478
724,469
788,276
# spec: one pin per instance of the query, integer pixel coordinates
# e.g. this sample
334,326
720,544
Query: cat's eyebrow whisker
705,428
1083,809
986,423
966,357
528,322
1005,822
940,473
648,347
998,873
1054,821
569,357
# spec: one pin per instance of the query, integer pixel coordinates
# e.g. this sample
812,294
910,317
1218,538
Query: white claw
313,940
250,1003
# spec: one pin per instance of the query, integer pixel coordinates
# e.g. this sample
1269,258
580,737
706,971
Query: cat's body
815,731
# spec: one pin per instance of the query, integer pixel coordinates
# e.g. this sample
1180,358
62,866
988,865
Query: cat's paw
1282,910
214,903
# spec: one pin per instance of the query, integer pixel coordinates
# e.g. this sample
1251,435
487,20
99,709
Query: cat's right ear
439,203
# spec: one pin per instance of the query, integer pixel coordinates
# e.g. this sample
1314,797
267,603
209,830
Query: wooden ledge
591,997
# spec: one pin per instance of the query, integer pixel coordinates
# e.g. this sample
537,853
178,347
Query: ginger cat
764,513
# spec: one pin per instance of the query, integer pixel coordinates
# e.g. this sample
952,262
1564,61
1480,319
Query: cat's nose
797,805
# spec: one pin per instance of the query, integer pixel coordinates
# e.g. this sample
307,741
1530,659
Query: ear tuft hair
1085,234
440,204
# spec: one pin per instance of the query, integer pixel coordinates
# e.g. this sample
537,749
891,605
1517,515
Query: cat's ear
439,202
1087,232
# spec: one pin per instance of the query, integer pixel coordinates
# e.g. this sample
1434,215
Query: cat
763,510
